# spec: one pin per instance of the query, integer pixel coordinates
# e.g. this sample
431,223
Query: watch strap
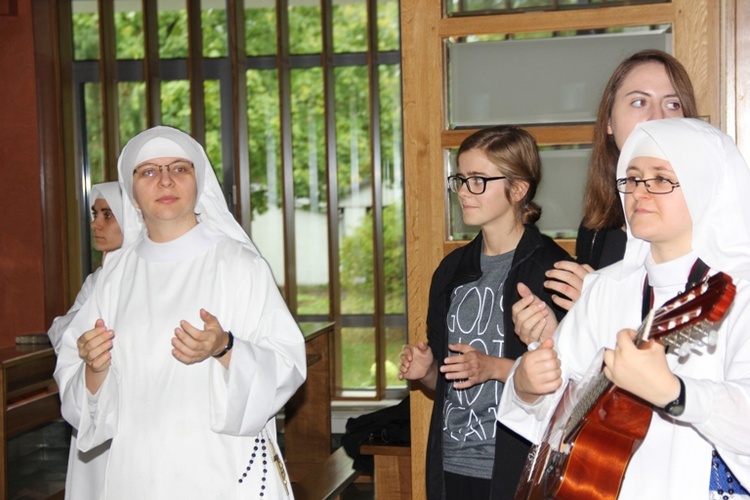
677,407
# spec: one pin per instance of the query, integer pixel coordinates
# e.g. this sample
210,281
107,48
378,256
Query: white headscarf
109,192
715,181
210,203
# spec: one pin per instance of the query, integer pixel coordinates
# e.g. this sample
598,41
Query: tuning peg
713,338
684,349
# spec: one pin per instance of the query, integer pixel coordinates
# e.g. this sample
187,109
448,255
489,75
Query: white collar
192,244
672,273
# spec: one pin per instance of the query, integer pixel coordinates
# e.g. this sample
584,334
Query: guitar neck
599,385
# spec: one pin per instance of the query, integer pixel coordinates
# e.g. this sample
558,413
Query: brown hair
513,151
601,205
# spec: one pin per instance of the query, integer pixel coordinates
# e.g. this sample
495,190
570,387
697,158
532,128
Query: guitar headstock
684,320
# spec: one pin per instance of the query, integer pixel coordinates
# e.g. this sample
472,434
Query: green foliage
85,36
260,31
129,42
173,39
357,263
305,30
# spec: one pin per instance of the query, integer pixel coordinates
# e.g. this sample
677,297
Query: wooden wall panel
21,247
424,189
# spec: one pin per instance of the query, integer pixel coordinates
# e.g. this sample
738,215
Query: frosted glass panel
548,80
560,195
561,192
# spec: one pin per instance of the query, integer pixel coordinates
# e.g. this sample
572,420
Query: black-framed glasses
475,184
655,185
177,168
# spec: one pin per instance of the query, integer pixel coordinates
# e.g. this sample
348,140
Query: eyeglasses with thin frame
655,185
475,184
179,168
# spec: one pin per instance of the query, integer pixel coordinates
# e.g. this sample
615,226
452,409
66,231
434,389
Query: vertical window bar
108,79
334,278
240,148
283,65
72,164
373,72
151,73
195,72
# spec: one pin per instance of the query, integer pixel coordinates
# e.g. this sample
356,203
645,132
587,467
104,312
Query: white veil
715,181
109,192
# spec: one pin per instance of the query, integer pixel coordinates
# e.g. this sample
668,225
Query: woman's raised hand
193,345
566,279
538,372
533,320
418,363
94,348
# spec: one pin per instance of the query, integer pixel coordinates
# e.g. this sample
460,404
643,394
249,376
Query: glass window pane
358,358
132,109
310,191
305,29
393,189
213,126
173,29
493,83
85,30
389,31
129,29
560,193
395,340
214,28
175,104
350,26
260,31
355,190
458,7
265,168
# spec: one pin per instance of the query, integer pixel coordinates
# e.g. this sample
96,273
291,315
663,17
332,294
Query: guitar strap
698,273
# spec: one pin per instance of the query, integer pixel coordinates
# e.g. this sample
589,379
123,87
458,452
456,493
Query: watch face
675,409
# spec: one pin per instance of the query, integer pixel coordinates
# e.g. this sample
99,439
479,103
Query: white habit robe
674,460
185,431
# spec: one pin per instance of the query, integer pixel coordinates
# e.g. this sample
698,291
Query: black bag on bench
389,425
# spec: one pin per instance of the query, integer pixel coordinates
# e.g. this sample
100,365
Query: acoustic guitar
597,427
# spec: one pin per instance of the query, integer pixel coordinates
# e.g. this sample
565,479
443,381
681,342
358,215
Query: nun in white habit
688,454
186,350
85,473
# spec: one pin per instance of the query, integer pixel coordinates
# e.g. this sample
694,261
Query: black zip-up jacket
534,255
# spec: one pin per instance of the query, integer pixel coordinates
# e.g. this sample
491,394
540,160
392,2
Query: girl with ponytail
471,346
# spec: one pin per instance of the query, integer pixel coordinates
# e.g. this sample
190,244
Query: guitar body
597,427
593,464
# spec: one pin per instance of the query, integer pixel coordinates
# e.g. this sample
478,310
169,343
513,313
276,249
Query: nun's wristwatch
677,407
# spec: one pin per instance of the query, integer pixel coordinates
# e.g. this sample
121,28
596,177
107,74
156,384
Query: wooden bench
28,395
392,474
328,479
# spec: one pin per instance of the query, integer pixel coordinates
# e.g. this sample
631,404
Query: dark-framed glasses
177,168
655,185
475,184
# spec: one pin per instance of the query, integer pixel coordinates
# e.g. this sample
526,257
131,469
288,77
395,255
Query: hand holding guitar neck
538,372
